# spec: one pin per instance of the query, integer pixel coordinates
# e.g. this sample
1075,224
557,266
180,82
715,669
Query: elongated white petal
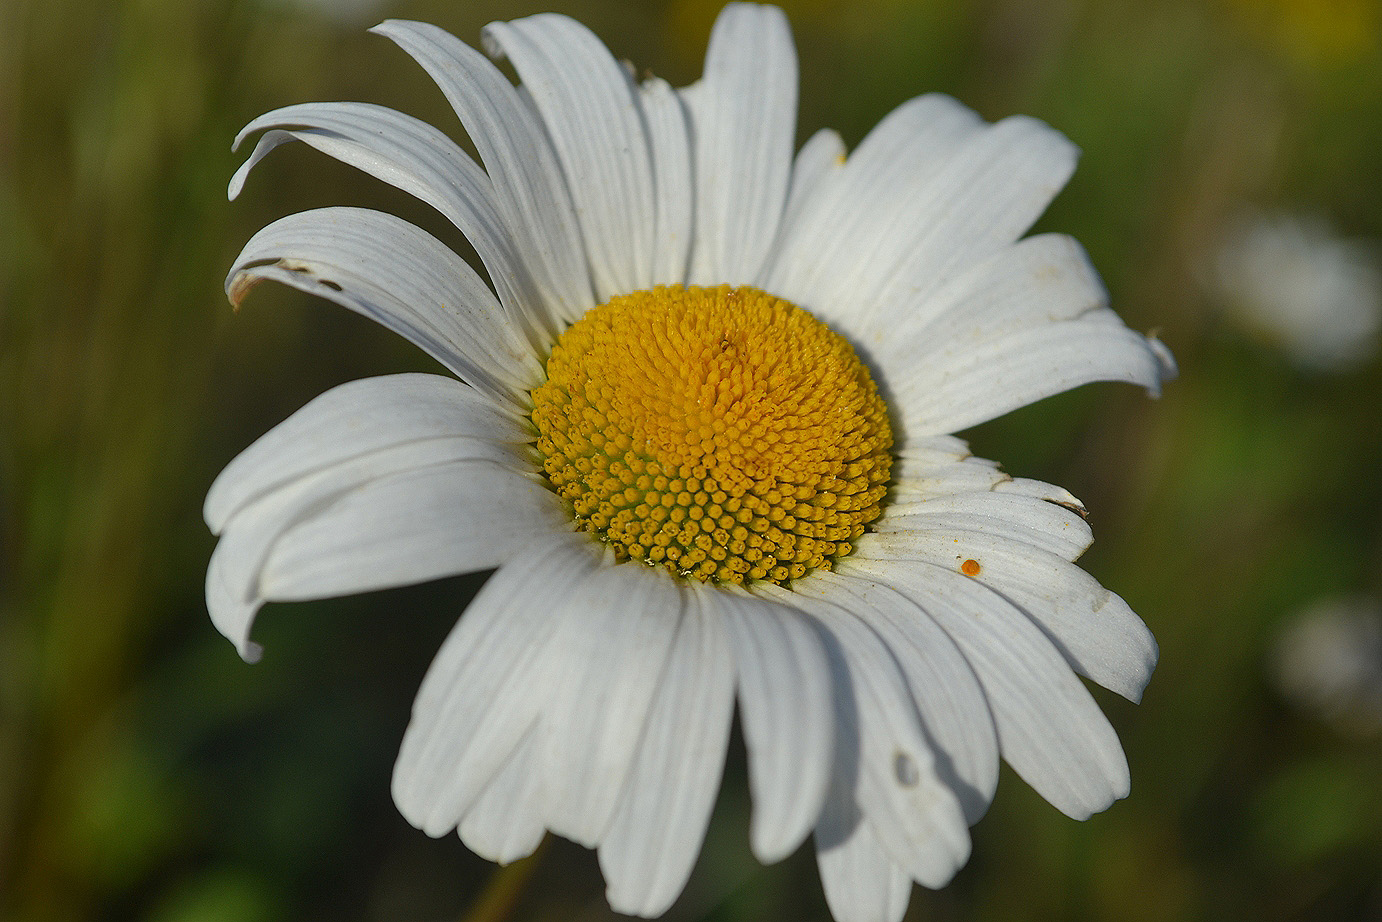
744,116
815,173
925,132
830,244
969,383
351,437
1037,307
415,526
402,277
423,162
669,134
277,508
616,634
936,466
506,821
1047,526
1096,631
785,703
528,183
881,746
236,584
1046,492
1049,728
936,480
651,846
354,419
488,684
817,168
949,699
1037,281
861,882
591,109
988,193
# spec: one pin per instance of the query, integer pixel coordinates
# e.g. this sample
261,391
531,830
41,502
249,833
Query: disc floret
723,433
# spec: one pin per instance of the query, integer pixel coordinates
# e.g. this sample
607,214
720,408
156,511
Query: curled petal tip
240,285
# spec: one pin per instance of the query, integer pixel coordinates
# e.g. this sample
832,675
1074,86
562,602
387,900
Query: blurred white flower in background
1293,281
1328,662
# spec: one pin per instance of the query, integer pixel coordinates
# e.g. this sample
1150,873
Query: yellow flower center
721,432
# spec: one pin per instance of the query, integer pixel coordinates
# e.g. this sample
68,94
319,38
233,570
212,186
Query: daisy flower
699,426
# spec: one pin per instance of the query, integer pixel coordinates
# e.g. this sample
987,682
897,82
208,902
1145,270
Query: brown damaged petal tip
1076,508
240,286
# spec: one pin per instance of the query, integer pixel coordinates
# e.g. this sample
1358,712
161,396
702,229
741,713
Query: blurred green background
1230,192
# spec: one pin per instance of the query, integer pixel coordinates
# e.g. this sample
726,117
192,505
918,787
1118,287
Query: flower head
700,425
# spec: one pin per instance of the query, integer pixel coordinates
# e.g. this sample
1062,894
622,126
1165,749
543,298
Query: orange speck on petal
970,568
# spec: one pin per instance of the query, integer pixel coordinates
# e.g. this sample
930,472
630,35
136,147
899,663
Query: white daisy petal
253,563
487,686
320,454
744,117
785,703
669,135
815,172
1096,631
408,528
354,419
423,162
1049,728
1034,282
927,130
403,278
949,699
506,821
881,746
528,182
616,634
591,109
968,385
847,236
1050,493
861,882
935,466
651,846
1047,526
989,191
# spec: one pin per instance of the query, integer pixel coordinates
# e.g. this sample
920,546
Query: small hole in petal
905,768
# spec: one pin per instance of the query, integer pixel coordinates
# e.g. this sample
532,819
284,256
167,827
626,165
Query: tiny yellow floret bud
722,433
